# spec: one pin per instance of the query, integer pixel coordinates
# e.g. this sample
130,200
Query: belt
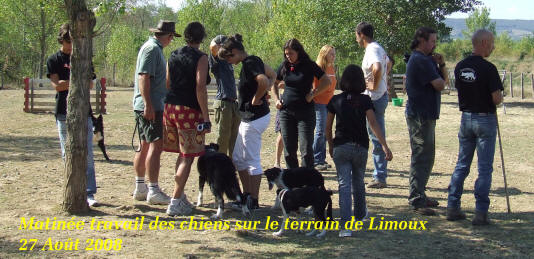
480,113
228,100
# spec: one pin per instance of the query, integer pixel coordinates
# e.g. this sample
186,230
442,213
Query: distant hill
515,28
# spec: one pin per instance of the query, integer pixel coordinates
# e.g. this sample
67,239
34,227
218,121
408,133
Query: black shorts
149,131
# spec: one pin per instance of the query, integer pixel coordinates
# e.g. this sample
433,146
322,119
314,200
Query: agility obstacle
39,96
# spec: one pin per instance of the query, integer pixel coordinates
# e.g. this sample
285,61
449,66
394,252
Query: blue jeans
319,140
350,160
476,131
62,129
379,157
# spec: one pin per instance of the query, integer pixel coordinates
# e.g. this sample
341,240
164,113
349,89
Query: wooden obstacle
39,96
399,82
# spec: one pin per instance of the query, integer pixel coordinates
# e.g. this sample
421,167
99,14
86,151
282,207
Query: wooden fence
399,82
39,96
511,83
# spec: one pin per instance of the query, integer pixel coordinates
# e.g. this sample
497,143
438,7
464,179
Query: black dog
292,178
316,197
219,171
98,131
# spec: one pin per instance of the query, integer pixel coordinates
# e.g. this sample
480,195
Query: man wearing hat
149,92
225,105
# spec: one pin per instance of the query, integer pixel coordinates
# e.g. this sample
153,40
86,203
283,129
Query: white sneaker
91,201
179,209
158,197
139,195
309,211
189,204
366,217
345,233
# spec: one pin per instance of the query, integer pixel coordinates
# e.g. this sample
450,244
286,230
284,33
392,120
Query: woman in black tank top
186,106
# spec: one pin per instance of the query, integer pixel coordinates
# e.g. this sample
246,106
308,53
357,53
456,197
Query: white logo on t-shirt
468,75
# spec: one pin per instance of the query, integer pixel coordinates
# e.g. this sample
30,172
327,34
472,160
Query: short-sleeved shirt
476,79
374,53
325,96
183,65
150,60
59,63
423,100
350,111
298,79
224,76
252,67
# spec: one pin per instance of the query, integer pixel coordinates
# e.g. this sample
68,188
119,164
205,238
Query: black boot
481,218
454,214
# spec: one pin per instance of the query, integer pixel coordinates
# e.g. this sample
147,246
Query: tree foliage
479,19
265,25
27,32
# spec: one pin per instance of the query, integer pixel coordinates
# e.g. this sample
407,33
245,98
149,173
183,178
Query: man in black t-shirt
58,70
479,91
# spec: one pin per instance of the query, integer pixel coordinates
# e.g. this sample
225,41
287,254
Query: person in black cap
149,92
479,91
225,105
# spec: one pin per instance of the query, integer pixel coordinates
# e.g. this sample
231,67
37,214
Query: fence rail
511,81
39,96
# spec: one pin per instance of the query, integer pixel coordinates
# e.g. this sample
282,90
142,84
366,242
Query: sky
506,9
499,9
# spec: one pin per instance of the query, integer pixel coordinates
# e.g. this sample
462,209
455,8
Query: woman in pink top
325,60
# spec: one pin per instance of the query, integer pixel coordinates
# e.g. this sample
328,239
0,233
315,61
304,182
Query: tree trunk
42,43
82,23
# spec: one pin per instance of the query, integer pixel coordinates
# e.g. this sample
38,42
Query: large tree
82,22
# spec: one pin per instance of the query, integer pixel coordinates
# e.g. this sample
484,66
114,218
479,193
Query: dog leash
133,136
282,194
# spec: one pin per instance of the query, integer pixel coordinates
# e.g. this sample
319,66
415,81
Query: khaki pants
228,119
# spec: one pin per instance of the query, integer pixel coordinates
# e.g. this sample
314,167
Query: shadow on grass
119,147
505,237
28,148
527,105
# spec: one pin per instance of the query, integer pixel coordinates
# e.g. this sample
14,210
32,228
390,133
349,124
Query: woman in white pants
254,83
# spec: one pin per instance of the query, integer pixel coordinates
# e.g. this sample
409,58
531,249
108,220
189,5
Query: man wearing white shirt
374,67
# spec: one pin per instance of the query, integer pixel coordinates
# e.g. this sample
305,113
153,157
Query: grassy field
32,180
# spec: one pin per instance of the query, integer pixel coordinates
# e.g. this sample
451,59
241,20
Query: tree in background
27,32
265,24
479,19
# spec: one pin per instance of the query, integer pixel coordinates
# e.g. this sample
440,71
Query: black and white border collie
301,197
293,178
219,171
98,133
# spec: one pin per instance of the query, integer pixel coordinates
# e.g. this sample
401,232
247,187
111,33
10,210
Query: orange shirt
325,96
